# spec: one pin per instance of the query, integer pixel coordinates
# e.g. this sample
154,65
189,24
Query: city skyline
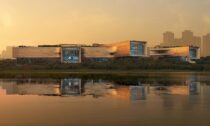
169,39
26,22
188,38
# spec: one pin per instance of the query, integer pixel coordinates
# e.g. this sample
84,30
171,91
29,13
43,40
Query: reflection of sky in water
101,102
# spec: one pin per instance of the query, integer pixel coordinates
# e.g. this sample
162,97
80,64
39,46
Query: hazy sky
85,21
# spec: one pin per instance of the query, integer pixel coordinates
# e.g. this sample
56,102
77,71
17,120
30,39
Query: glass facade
193,53
71,55
137,48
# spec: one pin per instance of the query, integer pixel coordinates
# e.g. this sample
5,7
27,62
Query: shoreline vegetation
119,67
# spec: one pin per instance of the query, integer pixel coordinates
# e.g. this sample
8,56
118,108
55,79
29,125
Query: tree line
128,63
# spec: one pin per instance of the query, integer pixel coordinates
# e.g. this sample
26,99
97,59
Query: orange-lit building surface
36,52
188,53
129,48
121,48
98,52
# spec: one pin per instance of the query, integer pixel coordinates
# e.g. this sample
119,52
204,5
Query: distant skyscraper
197,42
206,45
187,36
7,54
168,37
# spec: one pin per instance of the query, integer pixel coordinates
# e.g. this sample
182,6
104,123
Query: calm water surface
154,100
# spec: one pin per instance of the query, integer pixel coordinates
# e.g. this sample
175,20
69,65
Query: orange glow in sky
32,22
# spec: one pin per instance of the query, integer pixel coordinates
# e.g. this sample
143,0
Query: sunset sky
32,22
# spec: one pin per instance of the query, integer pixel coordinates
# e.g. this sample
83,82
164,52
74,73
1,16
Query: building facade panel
36,52
179,51
98,52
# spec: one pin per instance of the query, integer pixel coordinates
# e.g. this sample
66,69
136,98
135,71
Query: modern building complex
184,53
187,48
78,53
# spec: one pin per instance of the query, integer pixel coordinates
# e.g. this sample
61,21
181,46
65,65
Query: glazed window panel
137,49
71,55
193,53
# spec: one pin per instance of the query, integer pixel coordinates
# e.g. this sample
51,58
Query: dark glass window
71,55
137,49
193,53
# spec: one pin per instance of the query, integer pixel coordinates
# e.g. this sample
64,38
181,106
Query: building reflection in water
8,88
97,88
30,87
137,93
189,87
194,86
63,87
71,87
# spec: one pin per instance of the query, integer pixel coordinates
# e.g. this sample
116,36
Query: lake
148,99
